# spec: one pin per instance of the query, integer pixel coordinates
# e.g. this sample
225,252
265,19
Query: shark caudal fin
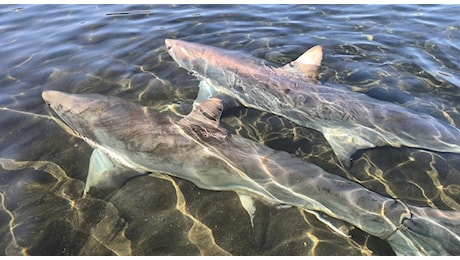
427,231
305,66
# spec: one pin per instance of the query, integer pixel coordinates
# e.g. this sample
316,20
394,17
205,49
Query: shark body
349,121
129,136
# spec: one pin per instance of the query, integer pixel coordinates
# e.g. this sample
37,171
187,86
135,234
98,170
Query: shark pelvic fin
345,145
248,204
307,65
100,167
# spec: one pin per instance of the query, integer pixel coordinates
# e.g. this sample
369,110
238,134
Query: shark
349,120
129,137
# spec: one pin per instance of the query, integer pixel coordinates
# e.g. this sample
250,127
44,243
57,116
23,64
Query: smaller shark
349,120
129,136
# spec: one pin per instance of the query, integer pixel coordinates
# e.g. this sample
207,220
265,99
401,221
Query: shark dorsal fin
206,113
203,121
307,65
313,56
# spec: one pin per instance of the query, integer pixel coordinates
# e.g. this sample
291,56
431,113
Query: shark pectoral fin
345,145
207,91
100,167
248,204
307,65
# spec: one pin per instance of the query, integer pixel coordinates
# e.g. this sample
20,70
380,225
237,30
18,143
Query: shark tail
427,231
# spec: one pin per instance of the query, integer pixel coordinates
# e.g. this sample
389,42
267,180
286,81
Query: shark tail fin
430,232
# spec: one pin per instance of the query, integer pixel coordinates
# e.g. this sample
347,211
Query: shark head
201,60
183,53
95,117
205,61
74,110
64,103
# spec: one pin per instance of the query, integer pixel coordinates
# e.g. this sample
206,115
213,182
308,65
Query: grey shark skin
195,148
349,121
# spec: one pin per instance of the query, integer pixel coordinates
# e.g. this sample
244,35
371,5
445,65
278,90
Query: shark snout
61,101
180,52
50,96
170,43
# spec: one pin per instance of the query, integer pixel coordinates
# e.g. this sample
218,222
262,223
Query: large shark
129,136
348,120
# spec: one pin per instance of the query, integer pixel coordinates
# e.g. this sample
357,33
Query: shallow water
404,54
